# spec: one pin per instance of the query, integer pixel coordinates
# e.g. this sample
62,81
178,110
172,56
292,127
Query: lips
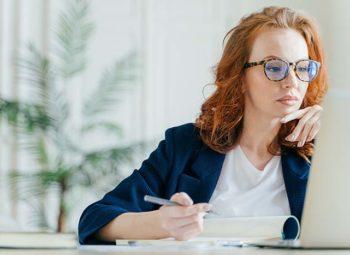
288,100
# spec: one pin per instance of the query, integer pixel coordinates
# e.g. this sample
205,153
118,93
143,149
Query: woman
249,151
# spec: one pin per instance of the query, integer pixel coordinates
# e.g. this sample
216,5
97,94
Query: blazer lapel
295,173
206,168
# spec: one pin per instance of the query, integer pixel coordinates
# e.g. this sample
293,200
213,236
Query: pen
159,201
162,201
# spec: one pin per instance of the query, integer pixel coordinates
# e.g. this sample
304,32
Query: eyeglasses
277,69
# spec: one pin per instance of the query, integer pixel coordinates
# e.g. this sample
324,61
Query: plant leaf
72,34
113,83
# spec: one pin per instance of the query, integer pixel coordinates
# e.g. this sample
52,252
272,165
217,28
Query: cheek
302,91
260,90
258,84
262,96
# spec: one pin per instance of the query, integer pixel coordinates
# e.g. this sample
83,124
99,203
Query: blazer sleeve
128,195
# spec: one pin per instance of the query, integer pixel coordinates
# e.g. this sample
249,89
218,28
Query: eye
274,68
303,69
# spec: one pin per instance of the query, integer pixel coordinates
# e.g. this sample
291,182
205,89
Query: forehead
287,44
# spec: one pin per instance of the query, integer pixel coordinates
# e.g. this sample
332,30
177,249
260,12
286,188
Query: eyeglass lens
277,70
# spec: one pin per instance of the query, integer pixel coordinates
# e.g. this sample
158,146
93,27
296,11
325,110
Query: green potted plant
45,121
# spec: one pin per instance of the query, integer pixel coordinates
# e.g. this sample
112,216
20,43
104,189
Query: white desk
171,250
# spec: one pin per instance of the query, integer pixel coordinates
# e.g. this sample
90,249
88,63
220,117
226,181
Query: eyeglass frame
294,64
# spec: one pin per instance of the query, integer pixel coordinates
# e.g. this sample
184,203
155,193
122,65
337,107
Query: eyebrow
272,56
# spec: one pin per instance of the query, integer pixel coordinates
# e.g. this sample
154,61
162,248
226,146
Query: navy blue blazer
181,162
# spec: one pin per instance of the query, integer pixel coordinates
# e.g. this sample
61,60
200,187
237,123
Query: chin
291,109
284,111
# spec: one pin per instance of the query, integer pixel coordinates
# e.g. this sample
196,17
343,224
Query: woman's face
261,94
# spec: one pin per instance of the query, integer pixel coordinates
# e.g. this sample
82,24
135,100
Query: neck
258,132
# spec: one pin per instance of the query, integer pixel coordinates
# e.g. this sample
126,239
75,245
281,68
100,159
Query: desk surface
171,250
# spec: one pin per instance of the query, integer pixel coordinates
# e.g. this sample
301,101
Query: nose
291,80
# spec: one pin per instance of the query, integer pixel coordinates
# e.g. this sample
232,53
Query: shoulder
184,131
183,138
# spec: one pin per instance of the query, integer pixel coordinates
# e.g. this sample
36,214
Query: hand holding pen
179,217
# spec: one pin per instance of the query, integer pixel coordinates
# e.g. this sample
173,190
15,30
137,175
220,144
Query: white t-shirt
243,190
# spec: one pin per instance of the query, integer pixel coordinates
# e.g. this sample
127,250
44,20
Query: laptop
326,215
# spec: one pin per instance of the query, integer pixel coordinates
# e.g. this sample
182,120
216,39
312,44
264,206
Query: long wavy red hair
221,118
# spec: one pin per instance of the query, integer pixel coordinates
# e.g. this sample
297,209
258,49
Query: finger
304,134
174,223
295,115
188,231
313,132
296,134
307,128
298,114
183,211
182,198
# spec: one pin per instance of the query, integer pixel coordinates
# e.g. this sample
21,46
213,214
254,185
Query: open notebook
237,231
